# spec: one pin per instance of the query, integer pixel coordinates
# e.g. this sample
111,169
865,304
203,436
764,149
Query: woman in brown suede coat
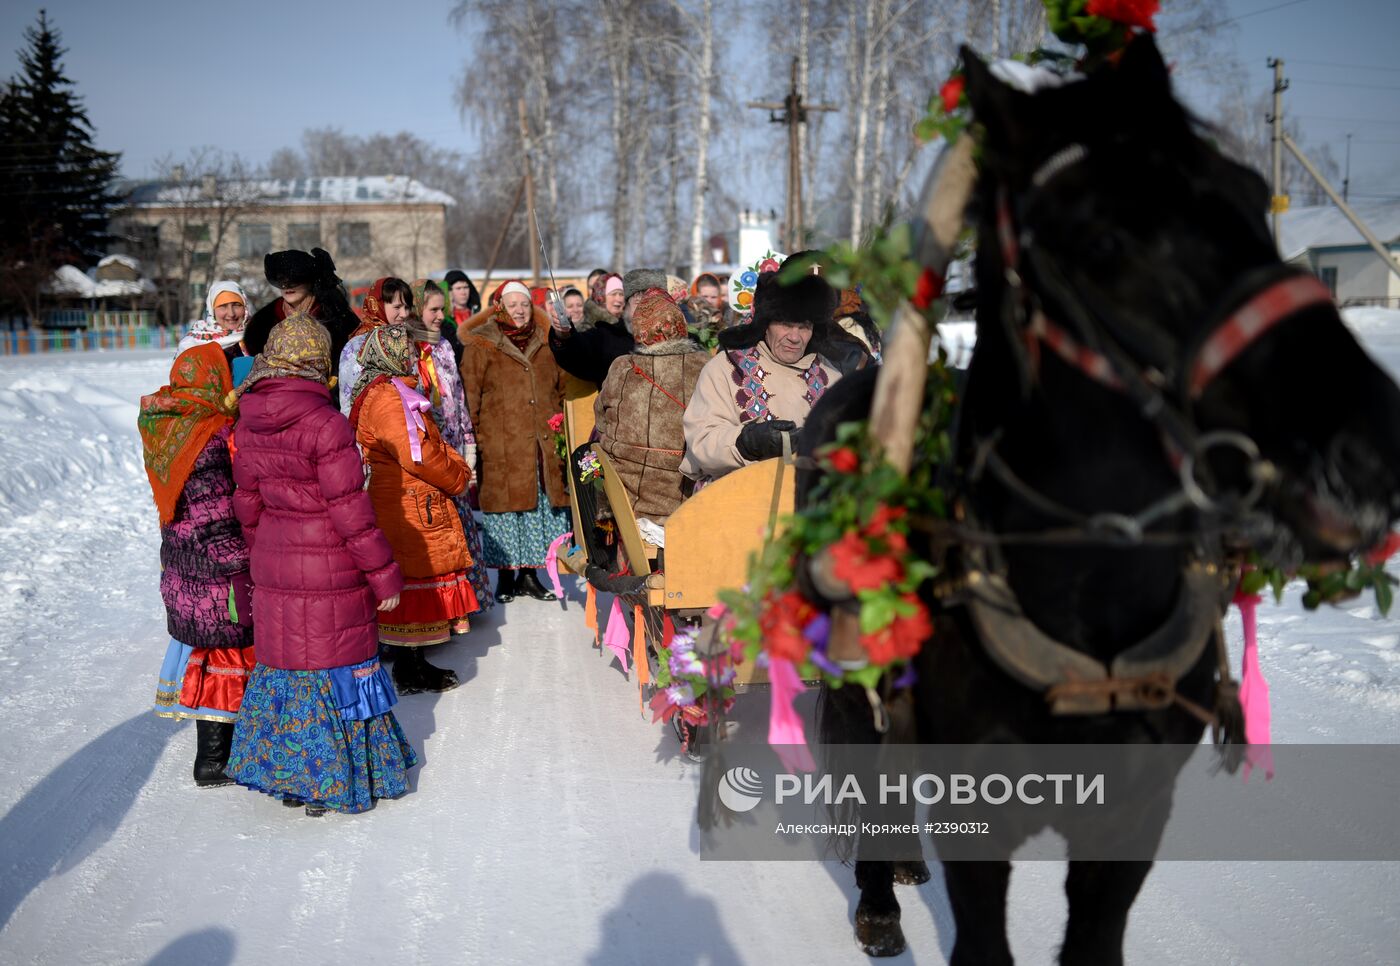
513,387
640,407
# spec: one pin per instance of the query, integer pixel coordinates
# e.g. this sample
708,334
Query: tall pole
1279,202
794,115
530,222
1346,179
796,118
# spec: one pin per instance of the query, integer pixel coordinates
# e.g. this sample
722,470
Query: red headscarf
372,309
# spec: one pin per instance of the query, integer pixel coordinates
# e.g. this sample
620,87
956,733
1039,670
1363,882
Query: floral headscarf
298,347
655,318
599,288
388,352
179,419
372,309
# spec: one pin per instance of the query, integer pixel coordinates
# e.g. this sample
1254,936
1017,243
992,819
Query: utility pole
1346,178
794,115
1279,202
531,222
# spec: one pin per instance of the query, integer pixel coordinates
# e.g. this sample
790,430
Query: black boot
434,678
407,680
529,585
413,674
505,585
212,742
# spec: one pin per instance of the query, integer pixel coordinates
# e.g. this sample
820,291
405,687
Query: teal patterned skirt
522,539
293,740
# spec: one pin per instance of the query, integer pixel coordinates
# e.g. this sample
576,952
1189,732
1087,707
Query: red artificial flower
843,460
782,621
1384,550
880,520
1130,13
859,569
556,423
929,288
951,92
902,638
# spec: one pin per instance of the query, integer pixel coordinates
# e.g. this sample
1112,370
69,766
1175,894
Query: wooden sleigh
710,539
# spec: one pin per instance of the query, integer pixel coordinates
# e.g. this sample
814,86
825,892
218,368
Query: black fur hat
808,299
294,267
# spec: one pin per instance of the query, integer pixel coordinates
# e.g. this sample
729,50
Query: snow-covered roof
376,189
1324,226
69,280
132,263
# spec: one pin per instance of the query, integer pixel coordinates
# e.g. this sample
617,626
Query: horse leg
911,872
877,914
977,892
1100,895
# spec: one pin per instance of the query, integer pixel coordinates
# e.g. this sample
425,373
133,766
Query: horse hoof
878,932
911,873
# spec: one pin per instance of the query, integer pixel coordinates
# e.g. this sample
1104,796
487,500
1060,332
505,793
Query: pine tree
55,185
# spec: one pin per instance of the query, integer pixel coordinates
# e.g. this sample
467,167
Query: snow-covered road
550,822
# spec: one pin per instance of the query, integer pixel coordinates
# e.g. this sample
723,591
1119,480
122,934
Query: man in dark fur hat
765,379
308,283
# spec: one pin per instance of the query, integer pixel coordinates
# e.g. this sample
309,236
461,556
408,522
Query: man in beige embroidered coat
764,380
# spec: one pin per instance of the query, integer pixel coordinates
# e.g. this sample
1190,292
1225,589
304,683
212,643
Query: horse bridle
1251,309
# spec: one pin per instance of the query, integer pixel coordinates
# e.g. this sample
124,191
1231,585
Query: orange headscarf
177,421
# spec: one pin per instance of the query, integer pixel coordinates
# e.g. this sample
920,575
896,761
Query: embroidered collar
752,368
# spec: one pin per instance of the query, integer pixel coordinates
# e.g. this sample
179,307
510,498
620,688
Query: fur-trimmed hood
595,314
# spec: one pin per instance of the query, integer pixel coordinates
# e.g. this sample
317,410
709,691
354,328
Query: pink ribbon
1254,692
414,406
615,637
785,733
551,564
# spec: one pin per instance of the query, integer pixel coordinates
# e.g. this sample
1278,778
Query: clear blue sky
161,76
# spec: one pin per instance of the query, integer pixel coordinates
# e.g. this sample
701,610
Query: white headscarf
209,329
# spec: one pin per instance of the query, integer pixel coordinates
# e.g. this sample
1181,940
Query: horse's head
1130,248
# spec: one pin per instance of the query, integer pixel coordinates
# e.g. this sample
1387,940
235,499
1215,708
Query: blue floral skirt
477,572
298,735
522,539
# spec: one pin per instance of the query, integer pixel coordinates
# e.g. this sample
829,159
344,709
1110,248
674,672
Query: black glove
762,441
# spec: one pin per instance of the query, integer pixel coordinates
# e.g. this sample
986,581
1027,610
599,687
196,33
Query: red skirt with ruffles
216,677
429,607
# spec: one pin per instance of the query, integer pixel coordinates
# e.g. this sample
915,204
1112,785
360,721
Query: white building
1321,238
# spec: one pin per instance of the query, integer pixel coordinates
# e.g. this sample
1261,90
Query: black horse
1151,389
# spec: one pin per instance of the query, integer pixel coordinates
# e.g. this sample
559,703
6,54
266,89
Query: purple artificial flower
907,679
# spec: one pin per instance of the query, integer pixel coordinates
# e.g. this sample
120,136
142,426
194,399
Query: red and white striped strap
1251,320
1093,364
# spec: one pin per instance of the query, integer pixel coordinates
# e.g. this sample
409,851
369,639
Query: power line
1369,87
1230,20
1329,63
1347,120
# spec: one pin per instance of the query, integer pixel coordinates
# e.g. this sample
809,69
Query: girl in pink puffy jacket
315,726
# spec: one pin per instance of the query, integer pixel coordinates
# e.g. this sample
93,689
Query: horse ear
995,105
1142,67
